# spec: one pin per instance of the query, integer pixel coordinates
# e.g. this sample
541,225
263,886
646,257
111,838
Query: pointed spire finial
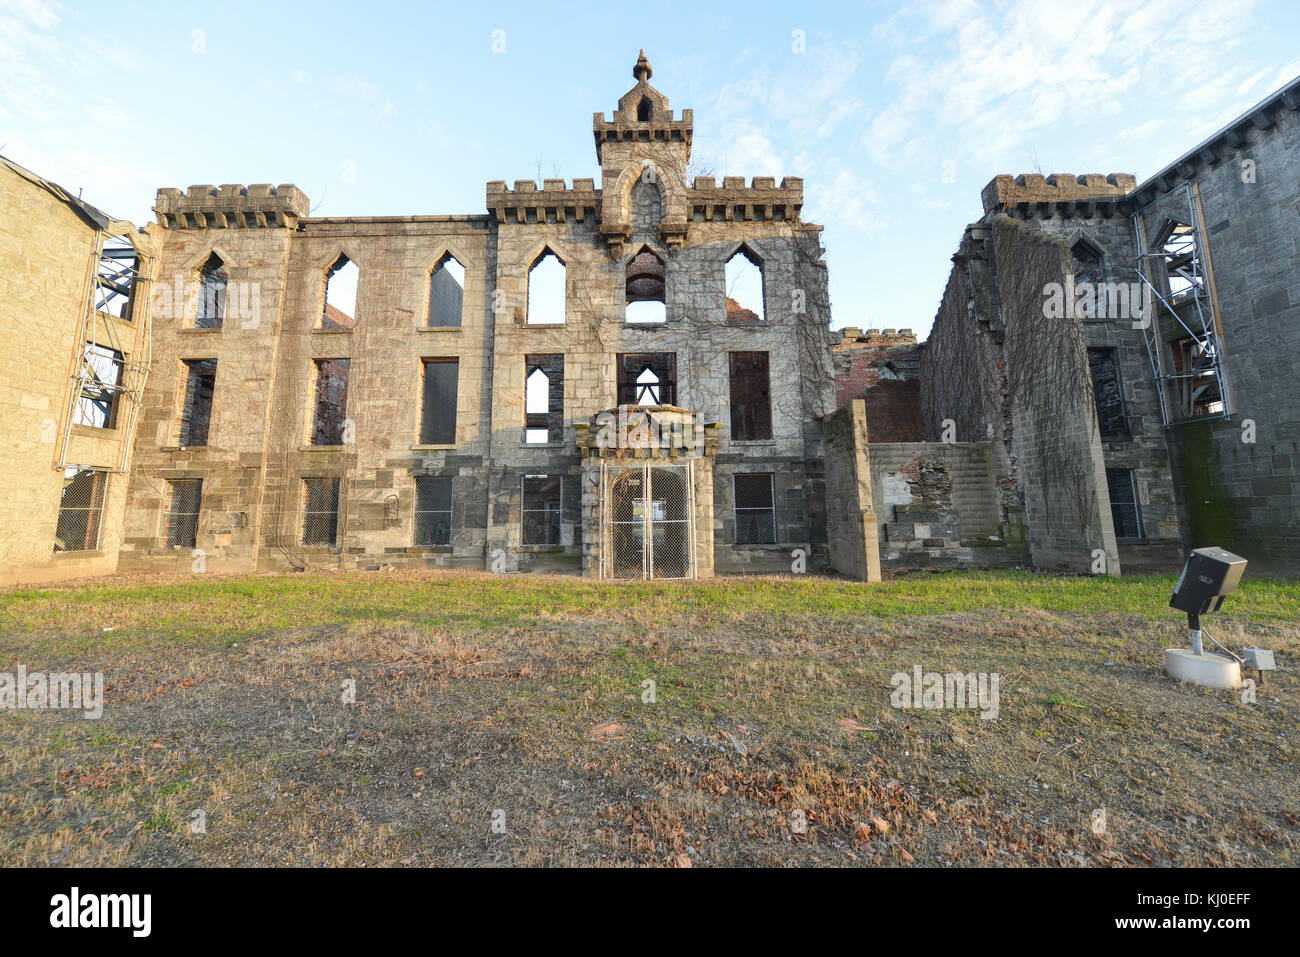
642,69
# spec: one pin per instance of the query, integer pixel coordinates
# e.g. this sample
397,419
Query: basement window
320,511
446,293
1125,512
432,511
340,307
213,281
181,513
1111,420
438,401
751,402
102,370
744,278
540,514
546,292
644,288
543,399
755,509
647,378
330,400
80,510
196,406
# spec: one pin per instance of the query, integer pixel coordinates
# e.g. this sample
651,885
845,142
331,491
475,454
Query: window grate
433,498
80,510
181,517
320,511
1125,512
755,509
541,509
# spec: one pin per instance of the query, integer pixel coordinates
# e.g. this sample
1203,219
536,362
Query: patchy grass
478,694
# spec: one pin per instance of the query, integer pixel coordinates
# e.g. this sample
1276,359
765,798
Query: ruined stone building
639,380
627,381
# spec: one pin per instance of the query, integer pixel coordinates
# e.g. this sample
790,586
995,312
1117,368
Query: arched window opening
546,293
537,404
644,109
744,278
1088,279
340,295
647,387
213,280
446,293
644,288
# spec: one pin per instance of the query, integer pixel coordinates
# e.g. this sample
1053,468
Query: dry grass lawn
503,721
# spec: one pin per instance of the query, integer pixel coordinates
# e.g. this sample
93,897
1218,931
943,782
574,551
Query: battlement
1029,188
855,336
734,201
231,206
553,202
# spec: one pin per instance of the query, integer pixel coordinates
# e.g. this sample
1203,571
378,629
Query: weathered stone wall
1061,471
1245,496
883,369
850,514
938,506
46,248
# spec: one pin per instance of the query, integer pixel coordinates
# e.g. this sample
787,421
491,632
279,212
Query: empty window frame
645,288
1107,391
540,513
438,396
1182,266
755,509
744,278
340,304
213,282
115,278
432,511
329,400
546,292
181,513
320,511
543,399
1088,270
200,383
647,378
446,293
102,368
1125,512
751,401
1195,380
80,510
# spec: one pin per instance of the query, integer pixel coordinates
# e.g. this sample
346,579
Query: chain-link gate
647,515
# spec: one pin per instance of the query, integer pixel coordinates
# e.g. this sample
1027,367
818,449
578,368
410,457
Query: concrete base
1210,670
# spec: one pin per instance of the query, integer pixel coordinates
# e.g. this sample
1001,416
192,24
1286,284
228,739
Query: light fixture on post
1209,575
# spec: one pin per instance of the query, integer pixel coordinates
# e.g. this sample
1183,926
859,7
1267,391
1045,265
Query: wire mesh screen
647,523
181,519
670,523
320,511
755,510
541,509
1123,503
80,510
433,510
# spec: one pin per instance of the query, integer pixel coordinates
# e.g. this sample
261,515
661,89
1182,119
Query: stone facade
259,452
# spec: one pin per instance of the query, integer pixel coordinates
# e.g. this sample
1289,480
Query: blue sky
895,115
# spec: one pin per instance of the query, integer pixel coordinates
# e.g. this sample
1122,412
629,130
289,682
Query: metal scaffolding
1178,287
115,322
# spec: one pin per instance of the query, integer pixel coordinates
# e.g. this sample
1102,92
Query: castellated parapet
1028,188
232,206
